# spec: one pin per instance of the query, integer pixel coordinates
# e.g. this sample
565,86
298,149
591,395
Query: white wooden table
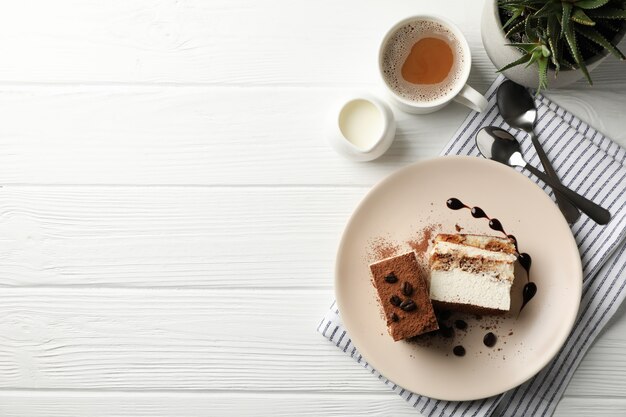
170,209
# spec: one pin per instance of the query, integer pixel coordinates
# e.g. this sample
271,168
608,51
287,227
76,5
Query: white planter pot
495,42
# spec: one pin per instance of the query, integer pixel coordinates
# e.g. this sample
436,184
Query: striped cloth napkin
594,166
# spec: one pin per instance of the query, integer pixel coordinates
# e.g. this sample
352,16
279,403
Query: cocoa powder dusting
414,315
382,248
420,245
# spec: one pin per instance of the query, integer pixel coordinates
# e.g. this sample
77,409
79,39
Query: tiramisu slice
472,273
403,293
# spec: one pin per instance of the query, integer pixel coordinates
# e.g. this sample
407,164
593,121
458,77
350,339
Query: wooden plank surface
208,340
223,42
218,42
189,136
61,404
212,237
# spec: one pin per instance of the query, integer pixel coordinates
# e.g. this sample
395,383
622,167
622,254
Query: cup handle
472,99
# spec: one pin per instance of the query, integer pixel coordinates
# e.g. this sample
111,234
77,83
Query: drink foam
397,49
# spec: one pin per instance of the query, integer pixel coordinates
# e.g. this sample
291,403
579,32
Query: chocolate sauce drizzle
530,289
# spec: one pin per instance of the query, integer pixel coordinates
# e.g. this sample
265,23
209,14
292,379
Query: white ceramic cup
461,92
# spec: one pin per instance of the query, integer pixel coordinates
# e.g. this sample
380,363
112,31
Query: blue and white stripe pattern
594,166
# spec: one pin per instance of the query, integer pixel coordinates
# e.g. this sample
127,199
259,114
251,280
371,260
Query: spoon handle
569,210
591,209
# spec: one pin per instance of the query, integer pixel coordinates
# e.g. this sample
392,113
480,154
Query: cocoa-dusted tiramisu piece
472,273
403,293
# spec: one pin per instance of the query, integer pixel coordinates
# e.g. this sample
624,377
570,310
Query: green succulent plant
562,33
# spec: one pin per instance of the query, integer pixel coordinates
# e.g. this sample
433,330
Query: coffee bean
460,324
394,317
459,350
407,289
408,305
391,278
395,300
490,339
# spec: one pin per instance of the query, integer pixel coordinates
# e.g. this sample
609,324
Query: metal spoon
499,145
517,108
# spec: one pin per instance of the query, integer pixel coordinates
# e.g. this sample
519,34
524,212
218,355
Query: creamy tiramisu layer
447,250
461,287
489,243
499,270
472,271
447,256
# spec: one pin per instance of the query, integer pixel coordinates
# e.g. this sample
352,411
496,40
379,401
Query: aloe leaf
529,29
516,28
591,4
534,57
542,22
559,60
579,16
543,75
522,44
554,57
570,37
608,13
512,19
517,12
596,37
567,11
551,26
553,42
526,47
519,61
547,9
559,18
535,3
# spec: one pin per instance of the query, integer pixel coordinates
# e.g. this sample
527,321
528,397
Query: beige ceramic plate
396,212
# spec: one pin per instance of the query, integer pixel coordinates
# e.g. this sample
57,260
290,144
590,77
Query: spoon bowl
516,106
499,145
